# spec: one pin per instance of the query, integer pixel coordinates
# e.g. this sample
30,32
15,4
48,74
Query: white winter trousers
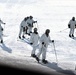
21,31
43,52
34,49
71,31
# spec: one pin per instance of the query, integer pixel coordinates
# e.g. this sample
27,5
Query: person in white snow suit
44,41
71,25
1,31
30,22
23,27
34,39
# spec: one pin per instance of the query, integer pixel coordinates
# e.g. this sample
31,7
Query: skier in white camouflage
72,25
44,41
34,39
1,30
30,22
23,28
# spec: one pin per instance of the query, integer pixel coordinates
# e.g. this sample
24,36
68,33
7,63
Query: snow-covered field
54,15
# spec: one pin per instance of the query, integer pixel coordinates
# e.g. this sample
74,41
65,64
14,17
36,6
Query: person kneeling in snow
44,41
34,39
1,31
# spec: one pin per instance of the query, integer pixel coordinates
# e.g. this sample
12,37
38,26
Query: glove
4,23
52,40
31,43
42,43
68,25
2,29
35,21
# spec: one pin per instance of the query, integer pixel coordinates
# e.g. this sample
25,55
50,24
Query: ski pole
37,25
55,52
64,29
3,29
4,26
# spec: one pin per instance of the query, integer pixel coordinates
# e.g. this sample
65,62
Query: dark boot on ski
69,35
33,55
72,35
1,41
44,61
19,37
30,31
29,34
37,59
23,36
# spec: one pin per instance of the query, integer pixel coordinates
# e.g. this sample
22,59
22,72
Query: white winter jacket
45,39
23,23
30,21
34,39
72,24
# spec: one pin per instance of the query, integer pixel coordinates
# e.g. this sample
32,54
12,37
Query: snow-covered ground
54,15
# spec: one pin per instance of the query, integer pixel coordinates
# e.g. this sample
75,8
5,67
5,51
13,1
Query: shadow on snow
57,68
4,47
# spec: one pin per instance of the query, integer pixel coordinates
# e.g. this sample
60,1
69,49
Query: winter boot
44,61
72,35
1,41
30,31
29,34
19,37
23,36
33,55
37,59
69,35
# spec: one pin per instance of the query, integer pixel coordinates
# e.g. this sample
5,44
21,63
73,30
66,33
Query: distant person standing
1,30
30,22
44,42
23,28
34,39
71,25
